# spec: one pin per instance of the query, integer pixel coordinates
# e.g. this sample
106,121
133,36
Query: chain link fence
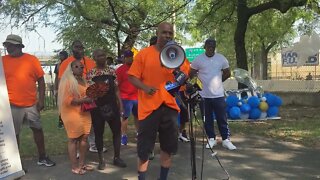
280,85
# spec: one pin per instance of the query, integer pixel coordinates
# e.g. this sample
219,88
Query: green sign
192,53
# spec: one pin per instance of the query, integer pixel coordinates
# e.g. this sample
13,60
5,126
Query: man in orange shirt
22,72
158,111
77,54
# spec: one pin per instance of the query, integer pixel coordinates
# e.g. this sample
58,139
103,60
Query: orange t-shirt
21,75
147,67
87,62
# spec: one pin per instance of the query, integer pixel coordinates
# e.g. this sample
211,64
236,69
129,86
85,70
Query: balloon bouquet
251,103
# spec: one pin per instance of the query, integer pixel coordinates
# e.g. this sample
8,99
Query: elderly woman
108,110
71,95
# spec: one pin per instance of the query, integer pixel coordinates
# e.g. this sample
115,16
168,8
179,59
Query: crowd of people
136,87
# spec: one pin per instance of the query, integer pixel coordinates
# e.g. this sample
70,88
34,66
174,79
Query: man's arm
225,74
41,90
140,85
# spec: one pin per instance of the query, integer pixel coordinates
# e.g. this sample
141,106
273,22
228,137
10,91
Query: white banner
290,58
10,163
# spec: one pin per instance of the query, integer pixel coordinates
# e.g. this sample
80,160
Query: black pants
98,122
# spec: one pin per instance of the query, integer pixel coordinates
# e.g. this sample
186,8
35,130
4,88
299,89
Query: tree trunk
264,61
239,37
256,66
130,39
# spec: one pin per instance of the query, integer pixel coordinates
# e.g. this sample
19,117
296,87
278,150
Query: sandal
78,171
87,168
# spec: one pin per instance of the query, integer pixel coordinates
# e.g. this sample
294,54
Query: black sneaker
46,161
119,162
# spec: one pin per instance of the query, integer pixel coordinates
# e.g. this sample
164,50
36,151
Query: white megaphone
172,55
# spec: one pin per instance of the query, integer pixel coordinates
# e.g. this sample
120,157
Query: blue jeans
218,107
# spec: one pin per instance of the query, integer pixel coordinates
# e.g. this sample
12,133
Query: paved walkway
256,158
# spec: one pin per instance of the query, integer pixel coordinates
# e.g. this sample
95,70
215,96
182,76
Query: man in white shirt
212,69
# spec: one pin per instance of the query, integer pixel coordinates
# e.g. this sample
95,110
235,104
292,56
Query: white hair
68,86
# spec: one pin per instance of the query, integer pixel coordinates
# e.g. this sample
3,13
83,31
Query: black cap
128,53
210,42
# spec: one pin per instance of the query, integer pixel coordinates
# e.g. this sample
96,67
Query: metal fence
306,86
50,100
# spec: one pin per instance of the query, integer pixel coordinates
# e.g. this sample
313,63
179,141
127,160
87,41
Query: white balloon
263,115
244,115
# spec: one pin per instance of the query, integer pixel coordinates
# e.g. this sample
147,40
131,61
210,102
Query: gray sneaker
46,162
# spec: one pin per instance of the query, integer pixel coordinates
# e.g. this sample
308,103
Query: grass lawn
298,124
55,139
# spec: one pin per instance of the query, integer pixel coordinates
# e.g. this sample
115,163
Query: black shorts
184,117
164,121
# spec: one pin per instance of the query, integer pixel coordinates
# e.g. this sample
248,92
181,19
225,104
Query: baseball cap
210,42
13,39
128,53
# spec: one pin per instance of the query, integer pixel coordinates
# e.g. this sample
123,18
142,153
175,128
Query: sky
37,44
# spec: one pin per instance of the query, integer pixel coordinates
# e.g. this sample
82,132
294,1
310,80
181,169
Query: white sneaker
182,138
95,150
212,142
228,144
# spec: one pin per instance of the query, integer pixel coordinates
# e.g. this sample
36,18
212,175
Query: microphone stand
192,145
191,136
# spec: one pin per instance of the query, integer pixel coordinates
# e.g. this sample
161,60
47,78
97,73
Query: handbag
88,106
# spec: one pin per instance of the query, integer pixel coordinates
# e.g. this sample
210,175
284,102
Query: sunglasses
78,67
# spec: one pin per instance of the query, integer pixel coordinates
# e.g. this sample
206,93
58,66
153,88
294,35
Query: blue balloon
255,113
232,100
273,111
277,101
254,101
271,99
266,95
234,112
245,108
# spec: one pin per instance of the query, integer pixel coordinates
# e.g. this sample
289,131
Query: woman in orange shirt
71,95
